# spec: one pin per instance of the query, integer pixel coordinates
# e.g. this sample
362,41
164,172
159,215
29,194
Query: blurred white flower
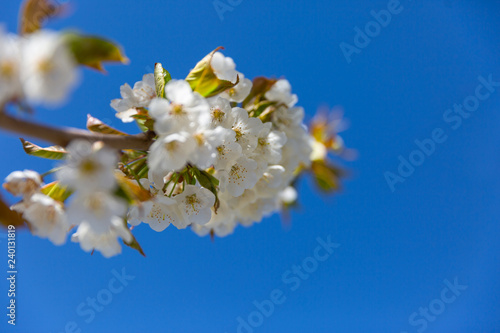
23,183
89,167
224,67
46,217
10,54
106,242
95,209
48,70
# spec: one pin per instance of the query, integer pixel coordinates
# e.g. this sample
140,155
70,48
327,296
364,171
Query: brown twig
63,136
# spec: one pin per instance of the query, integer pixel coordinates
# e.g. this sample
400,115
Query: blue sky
398,251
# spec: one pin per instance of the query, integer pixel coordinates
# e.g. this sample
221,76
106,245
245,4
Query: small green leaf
134,244
51,153
162,76
57,191
92,51
97,126
203,80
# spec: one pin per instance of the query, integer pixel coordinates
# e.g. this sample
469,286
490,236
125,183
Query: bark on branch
63,136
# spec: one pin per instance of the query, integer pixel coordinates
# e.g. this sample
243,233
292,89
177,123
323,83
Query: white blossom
195,206
184,109
171,152
138,97
89,167
228,151
95,209
220,112
269,144
241,176
23,183
159,213
221,224
107,242
246,129
281,92
46,217
48,70
10,84
239,92
224,67
207,141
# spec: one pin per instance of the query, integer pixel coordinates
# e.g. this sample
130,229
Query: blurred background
400,246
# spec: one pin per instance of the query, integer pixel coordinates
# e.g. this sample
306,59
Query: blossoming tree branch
212,151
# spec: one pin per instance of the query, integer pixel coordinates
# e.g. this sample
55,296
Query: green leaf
35,12
162,76
51,153
92,51
57,191
97,126
203,80
134,244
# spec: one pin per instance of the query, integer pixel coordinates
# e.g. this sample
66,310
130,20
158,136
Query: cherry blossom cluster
224,150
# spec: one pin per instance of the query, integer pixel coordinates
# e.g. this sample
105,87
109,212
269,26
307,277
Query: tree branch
63,136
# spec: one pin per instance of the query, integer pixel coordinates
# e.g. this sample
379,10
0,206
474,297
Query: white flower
195,205
89,167
269,144
255,211
227,152
288,195
239,177
271,180
171,152
23,183
285,119
46,218
138,97
159,213
246,129
10,84
281,92
239,92
220,112
221,224
48,70
186,109
224,67
95,209
297,149
107,242
207,141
